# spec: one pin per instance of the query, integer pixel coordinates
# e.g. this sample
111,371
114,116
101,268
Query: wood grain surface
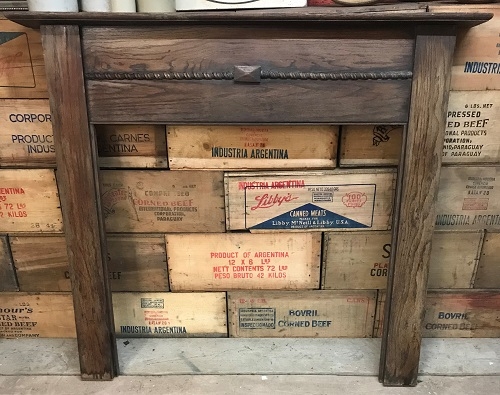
301,313
243,261
225,101
415,214
26,138
368,16
251,147
22,72
135,263
8,281
361,260
154,49
76,156
488,270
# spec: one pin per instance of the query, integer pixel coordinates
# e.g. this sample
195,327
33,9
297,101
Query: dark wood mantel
402,76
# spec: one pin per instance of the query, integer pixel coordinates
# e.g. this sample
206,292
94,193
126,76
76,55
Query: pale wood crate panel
29,201
170,314
8,280
468,198
132,146
467,313
24,315
472,128
41,263
135,263
22,70
476,64
462,314
454,259
252,147
370,145
299,201
301,313
356,260
162,201
488,271
205,262
26,133
361,260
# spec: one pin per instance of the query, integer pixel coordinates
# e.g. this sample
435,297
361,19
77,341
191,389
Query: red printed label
354,199
269,200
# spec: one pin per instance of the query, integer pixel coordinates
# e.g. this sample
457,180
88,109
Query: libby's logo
381,134
354,199
266,200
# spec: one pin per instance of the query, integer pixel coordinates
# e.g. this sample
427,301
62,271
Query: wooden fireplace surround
314,65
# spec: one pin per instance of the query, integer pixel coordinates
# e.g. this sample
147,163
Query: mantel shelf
402,13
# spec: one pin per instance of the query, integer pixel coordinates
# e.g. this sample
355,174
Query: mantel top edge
363,15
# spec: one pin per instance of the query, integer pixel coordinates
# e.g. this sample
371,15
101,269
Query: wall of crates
250,231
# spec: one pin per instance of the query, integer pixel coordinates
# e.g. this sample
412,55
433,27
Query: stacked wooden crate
222,182
464,286
29,200
469,198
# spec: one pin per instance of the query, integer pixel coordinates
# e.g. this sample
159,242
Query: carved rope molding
265,74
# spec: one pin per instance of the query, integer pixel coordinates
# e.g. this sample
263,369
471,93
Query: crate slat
24,315
135,263
361,260
26,138
301,313
170,314
488,271
149,201
22,67
370,145
243,261
136,146
29,201
301,201
468,198
252,147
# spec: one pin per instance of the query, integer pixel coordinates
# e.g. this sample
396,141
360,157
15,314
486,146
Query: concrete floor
243,366
255,385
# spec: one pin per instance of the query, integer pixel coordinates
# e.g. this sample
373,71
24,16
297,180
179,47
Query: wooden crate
162,201
339,199
170,314
469,198
26,133
476,62
301,313
206,262
370,145
22,70
448,313
473,121
252,147
462,314
132,146
361,260
24,315
8,281
488,271
135,263
29,201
